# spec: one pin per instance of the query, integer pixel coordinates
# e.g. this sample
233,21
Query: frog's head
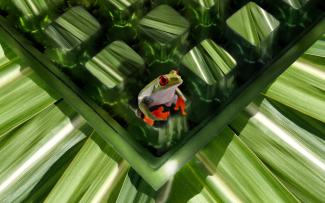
172,79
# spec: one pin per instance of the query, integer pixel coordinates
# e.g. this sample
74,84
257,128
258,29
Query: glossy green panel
296,4
253,23
115,63
68,34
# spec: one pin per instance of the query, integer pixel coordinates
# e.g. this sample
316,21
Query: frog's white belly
164,97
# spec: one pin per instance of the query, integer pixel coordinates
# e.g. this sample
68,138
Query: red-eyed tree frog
162,91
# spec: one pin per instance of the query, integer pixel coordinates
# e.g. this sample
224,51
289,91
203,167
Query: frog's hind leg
180,104
160,113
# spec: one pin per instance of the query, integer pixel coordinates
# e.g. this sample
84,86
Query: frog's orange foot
180,104
148,120
159,113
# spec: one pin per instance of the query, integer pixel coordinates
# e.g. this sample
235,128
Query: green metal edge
156,171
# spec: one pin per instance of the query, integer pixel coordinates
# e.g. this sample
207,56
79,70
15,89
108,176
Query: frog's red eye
163,80
177,72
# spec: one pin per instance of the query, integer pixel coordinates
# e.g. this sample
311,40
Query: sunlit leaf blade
295,155
226,170
318,49
21,93
301,88
28,152
309,71
91,176
311,125
135,189
51,177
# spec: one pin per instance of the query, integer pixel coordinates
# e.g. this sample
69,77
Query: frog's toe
180,105
148,120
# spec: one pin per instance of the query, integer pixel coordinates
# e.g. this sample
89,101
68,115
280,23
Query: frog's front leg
180,103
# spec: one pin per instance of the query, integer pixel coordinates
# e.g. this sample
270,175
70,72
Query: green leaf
295,155
227,171
51,177
308,71
28,152
91,176
318,49
135,189
22,95
302,88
